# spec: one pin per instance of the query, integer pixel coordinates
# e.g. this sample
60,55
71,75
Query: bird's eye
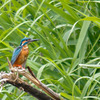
29,39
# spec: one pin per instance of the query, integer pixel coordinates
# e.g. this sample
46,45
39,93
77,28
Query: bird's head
25,41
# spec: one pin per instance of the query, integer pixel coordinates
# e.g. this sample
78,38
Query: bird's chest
24,52
23,55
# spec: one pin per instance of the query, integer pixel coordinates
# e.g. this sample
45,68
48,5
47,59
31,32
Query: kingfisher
20,53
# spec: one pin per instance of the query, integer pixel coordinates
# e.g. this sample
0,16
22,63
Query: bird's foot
23,67
19,66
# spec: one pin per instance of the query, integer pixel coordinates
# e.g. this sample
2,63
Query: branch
19,83
34,80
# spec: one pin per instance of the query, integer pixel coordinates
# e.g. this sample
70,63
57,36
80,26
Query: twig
44,87
31,72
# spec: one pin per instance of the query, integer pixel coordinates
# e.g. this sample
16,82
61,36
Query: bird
21,53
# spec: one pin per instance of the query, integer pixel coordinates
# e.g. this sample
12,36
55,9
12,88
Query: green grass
66,58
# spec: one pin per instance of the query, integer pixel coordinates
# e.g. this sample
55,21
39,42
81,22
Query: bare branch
19,83
34,80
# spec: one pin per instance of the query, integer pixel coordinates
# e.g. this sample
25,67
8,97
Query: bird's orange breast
22,56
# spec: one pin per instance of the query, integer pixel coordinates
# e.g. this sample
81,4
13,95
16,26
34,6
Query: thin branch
44,87
31,72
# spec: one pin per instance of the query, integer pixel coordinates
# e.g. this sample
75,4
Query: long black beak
32,40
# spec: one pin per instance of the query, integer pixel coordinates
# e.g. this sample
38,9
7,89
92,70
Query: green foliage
67,56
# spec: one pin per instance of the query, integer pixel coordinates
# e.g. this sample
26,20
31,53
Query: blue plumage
16,54
24,39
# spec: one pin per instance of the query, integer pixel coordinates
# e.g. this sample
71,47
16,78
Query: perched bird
20,54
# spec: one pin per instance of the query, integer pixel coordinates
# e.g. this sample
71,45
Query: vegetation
67,56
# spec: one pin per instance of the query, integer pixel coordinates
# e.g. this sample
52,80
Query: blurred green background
67,56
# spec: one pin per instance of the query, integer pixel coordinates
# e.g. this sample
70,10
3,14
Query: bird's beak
32,40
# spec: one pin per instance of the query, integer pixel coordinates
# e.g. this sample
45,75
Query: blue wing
16,54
